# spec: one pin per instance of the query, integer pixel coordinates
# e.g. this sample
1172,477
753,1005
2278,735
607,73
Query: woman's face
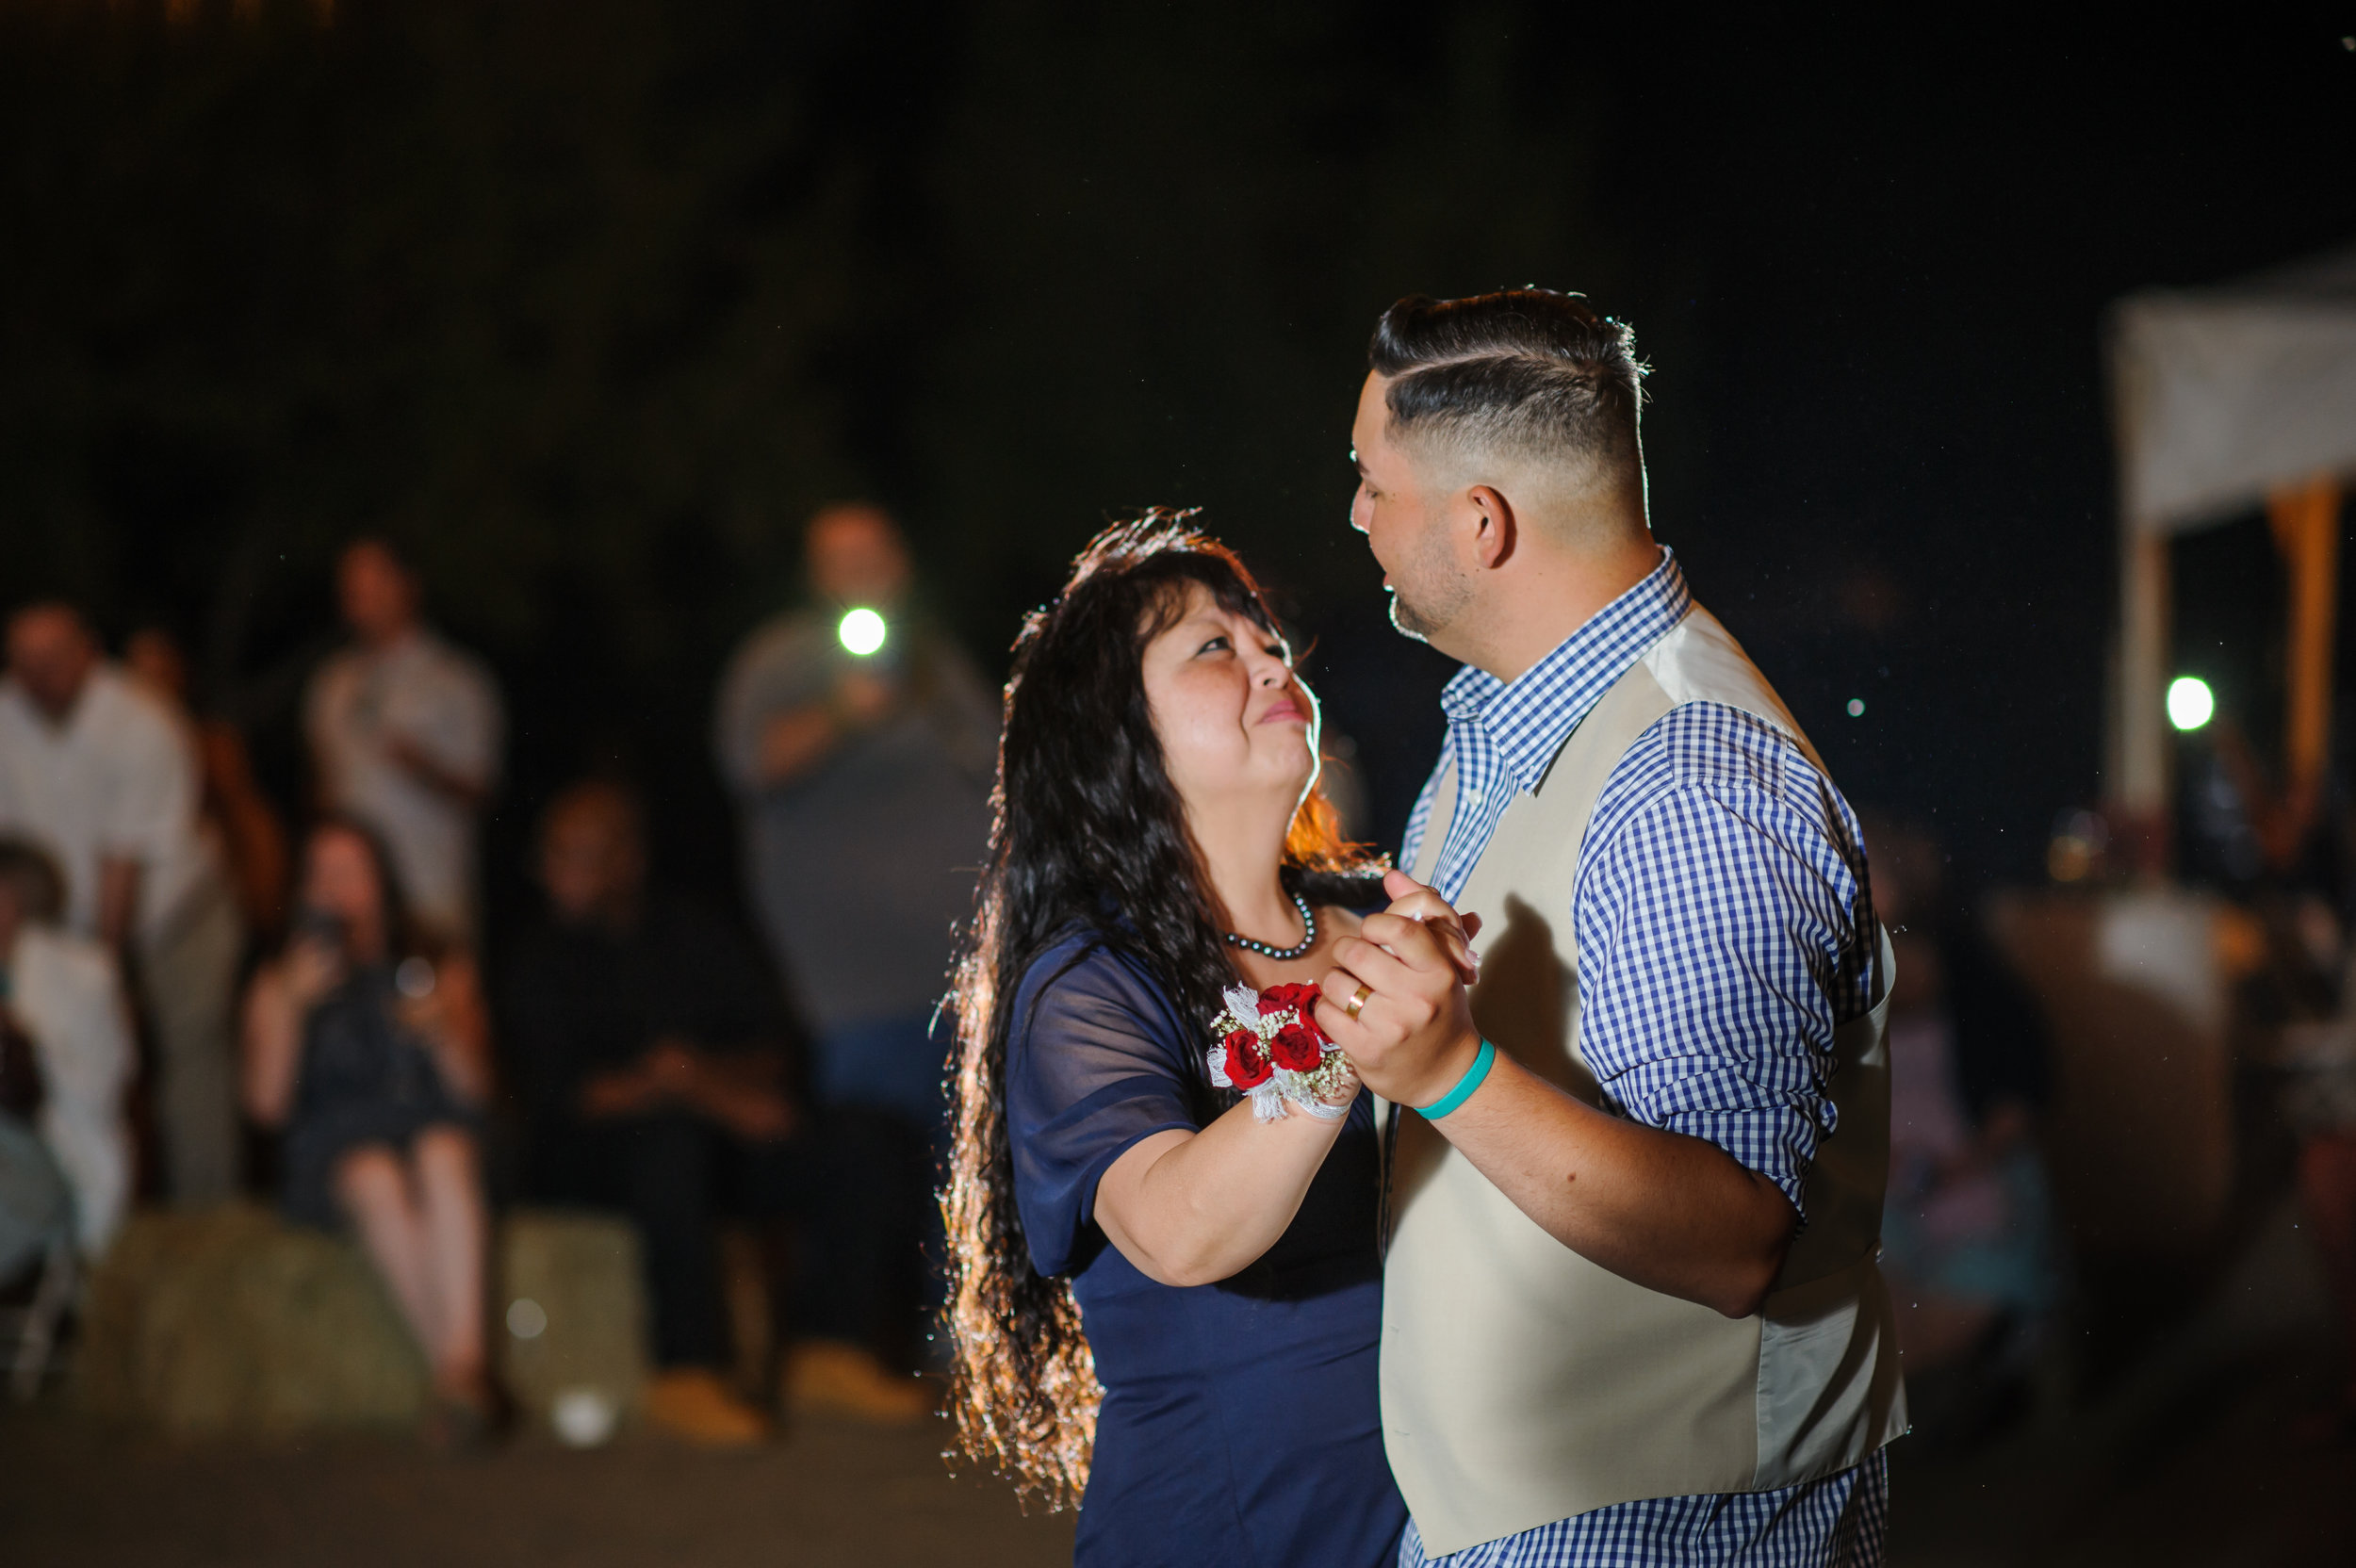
1234,721
339,879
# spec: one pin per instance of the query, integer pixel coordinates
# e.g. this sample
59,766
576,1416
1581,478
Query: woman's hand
1414,1035
311,968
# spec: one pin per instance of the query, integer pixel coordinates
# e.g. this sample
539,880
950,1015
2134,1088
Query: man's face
376,595
1405,522
51,654
589,861
856,556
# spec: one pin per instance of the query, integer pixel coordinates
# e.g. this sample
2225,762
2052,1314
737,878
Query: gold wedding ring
1357,999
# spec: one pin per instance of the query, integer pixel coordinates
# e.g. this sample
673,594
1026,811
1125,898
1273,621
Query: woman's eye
1217,644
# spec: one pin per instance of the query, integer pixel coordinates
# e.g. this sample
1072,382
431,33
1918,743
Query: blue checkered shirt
1725,930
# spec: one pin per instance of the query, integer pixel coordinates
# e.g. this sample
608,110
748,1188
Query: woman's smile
1284,710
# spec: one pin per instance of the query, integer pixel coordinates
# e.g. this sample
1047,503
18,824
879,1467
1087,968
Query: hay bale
230,1320
571,1312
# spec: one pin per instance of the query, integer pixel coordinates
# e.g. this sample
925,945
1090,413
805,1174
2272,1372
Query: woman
1160,1296
372,1053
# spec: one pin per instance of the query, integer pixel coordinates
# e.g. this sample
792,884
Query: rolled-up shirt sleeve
1725,931
146,798
1095,1063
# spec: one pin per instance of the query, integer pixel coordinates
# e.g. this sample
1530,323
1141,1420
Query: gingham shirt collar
1527,722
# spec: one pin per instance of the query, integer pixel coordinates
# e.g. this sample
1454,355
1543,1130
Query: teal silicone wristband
1464,1085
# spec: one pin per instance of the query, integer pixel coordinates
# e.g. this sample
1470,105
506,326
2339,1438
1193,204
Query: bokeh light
862,632
2190,704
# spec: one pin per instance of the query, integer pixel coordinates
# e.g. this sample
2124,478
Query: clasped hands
1413,1036
737,1090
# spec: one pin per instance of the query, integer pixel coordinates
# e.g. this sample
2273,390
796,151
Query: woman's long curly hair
1085,820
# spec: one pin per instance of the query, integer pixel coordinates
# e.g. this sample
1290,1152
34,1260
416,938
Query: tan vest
1523,1385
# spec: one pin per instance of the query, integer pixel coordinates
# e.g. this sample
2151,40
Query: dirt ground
73,1496
2211,1475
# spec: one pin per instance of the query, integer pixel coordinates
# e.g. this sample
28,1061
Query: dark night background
590,303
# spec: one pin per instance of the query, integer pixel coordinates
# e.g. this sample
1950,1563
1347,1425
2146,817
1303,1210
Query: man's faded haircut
1526,374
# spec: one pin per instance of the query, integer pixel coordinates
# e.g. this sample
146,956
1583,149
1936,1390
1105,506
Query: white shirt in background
443,703
118,780
66,995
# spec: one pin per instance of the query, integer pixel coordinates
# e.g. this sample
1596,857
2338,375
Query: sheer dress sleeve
1096,1060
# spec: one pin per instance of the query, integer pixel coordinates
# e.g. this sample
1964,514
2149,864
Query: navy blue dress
363,1078
1240,1423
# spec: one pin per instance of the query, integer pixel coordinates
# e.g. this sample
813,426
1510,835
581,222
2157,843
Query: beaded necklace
1308,939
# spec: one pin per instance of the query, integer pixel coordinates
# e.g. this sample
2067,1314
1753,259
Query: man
104,779
64,995
1630,1308
649,1049
405,734
863,768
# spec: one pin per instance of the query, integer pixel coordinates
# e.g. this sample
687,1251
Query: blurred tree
1167,231
533,288
588,304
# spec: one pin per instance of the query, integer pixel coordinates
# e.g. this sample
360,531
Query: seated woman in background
371,1052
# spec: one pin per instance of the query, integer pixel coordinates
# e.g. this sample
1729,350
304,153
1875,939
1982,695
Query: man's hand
620,1092
739,1091
794,743
864,698
1414,1036
1671,1211
118,900
428,770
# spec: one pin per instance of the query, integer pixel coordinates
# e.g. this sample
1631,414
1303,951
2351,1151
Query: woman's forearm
1193,1208
271,1039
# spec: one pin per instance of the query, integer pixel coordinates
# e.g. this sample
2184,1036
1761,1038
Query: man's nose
1360,507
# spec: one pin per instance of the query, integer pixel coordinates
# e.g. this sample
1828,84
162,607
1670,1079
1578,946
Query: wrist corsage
1271,1050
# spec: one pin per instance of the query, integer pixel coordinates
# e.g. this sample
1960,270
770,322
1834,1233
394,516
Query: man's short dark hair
1526,373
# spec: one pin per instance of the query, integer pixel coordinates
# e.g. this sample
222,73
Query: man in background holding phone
860,742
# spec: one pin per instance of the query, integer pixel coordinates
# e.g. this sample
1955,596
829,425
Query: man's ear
1497,530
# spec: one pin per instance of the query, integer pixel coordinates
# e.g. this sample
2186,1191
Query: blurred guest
1967,1228
650,1047
860,743
101,775
405,735
242,820
366,1041
2318,1058
60,993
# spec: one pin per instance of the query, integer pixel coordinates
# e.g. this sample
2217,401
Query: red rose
1248,1066
1299,1047
1299,996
